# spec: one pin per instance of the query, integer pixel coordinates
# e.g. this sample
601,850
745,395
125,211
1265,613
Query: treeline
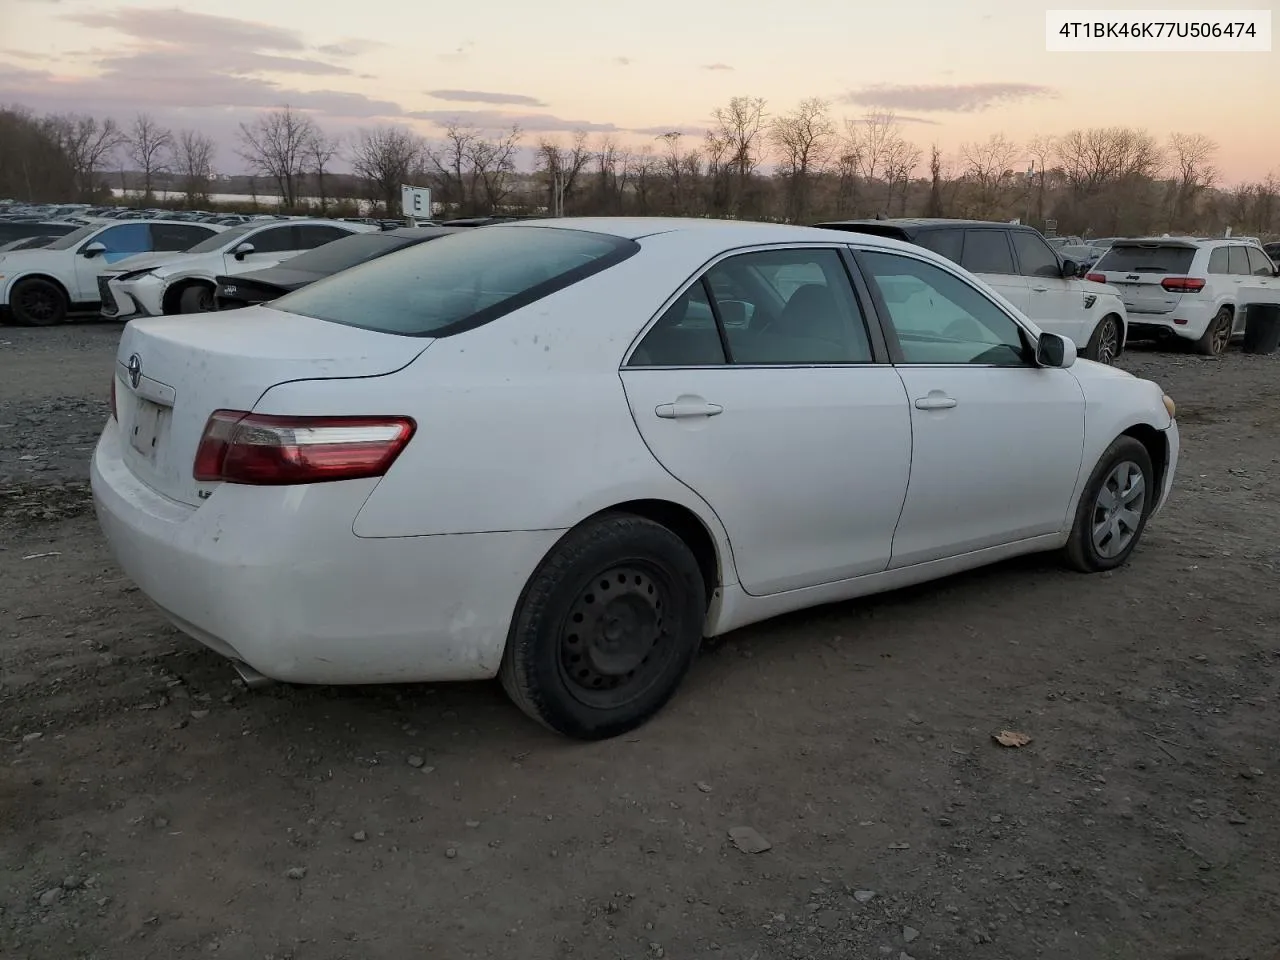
800,165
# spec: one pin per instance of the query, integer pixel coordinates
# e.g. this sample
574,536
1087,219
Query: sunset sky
953,71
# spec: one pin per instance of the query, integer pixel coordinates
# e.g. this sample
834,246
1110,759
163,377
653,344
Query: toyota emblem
134,367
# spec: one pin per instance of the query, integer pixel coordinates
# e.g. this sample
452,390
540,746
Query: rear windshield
1153,258
458,282
347,252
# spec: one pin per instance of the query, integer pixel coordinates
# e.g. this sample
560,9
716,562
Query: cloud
483,96
716,66
24,55
900,118
945,97
500,120
350,47
622,61
684,131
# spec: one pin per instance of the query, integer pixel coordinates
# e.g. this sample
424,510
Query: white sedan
563,452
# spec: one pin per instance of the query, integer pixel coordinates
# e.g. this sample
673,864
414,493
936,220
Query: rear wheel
1213,342
38,303
1104,345
1113,508
197,298
607,628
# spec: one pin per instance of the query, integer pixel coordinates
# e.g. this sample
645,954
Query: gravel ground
151,807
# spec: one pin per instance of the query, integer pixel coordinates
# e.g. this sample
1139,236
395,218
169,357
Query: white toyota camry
563,452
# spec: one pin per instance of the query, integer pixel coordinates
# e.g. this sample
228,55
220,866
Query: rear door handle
687,408
1040,289
935,403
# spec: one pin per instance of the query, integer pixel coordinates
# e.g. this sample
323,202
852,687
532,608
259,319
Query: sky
952,71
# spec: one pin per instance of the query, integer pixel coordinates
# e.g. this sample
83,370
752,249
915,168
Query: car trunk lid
171,374
1143,271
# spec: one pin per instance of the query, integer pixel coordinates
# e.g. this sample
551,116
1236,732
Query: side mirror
93,250
243,250
1055,351
1070,269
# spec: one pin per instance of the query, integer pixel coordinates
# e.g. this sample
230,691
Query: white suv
1018,263
1183,287
154,285
40,286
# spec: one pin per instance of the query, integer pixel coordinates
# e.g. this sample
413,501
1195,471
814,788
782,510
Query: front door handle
935,403
687,407
1040,289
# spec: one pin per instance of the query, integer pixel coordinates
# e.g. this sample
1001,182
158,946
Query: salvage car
40,287
262,286
1018,262
159,285
562,452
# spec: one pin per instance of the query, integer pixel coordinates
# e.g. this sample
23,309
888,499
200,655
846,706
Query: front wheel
196,299
1113,508
606,629
38,303
1104,345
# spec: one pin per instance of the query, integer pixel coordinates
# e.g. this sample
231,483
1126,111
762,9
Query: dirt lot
150,806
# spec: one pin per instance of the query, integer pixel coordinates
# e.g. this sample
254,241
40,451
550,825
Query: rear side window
313,236
1238,261
458,282
945,243
1218,261
987,251
1151,258
1035,257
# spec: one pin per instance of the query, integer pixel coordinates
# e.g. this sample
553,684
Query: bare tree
935,207
320,151
88,144
562,167
454,178
495,163
804,139
1042,150
275,145
193,155
1192,155
740,126
988,168
385,158
150,147
880,151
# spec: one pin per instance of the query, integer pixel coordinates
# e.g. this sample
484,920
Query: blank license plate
146,427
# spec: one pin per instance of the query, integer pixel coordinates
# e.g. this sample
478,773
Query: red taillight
1096,277
114,414
254,448
1182,284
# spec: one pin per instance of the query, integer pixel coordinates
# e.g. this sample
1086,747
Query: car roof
924,223
418,233
636,228
1187,242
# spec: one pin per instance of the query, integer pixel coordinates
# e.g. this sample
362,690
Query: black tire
197,298
1107,341
1081,550
562,667
38,303
1213,342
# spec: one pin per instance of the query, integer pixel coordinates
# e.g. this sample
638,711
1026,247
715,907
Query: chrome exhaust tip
251,677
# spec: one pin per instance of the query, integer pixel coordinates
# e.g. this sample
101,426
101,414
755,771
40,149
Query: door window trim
884,319
880,353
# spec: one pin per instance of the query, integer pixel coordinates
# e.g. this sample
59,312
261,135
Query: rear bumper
276,578
1189,322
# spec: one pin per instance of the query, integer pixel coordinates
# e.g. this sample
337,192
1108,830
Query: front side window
124,241
987,251
458,282
1035,257
274,240
939,318
1260,264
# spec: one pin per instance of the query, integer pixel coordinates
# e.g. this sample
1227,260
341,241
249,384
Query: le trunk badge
134,366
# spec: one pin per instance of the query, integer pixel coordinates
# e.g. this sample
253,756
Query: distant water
240,199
